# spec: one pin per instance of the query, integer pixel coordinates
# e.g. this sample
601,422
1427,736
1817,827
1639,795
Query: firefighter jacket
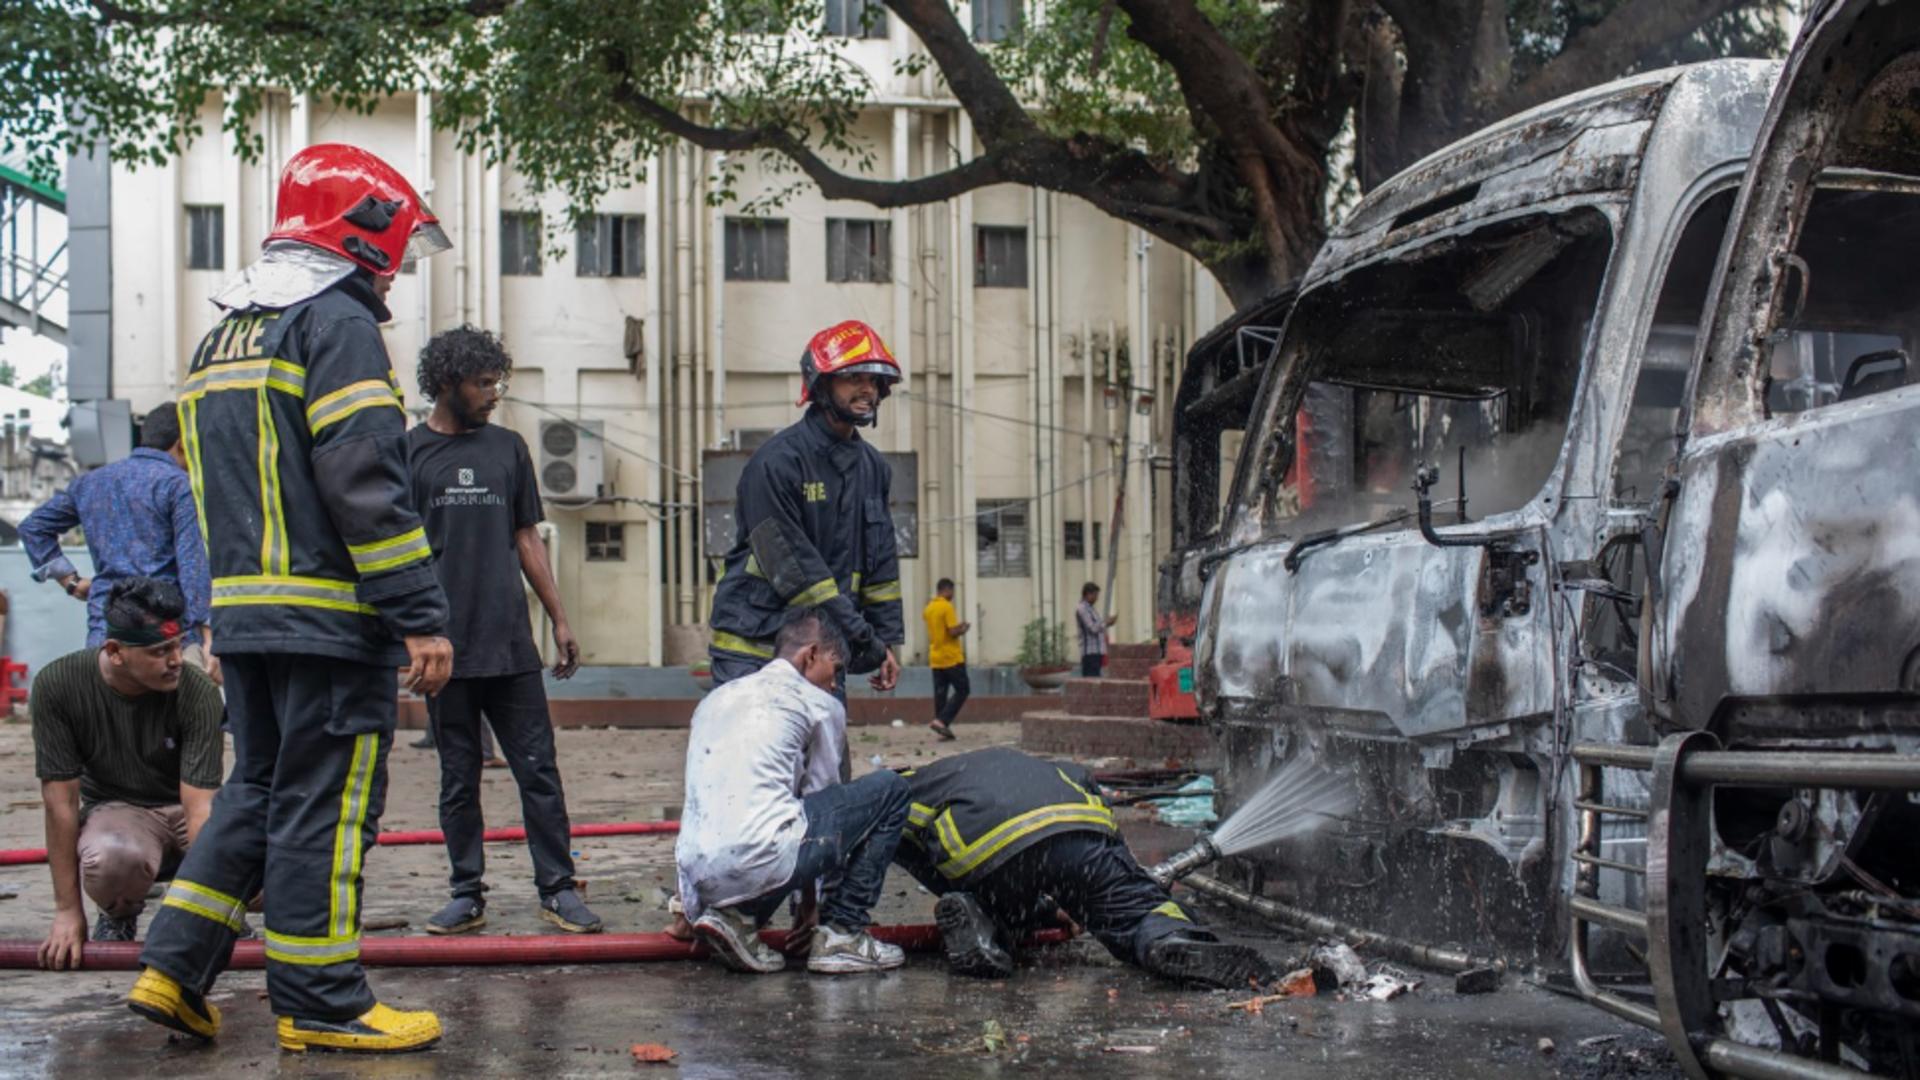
814,530
972,812
292,425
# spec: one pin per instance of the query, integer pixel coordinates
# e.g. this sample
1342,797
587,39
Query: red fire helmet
848,348
348,201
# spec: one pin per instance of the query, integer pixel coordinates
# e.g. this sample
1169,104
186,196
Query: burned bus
1578,521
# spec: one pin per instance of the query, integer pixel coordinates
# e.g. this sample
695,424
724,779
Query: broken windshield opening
1468,351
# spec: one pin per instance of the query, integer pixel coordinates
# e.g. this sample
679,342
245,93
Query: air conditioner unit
572,458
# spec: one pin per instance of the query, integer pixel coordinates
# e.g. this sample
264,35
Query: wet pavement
1069,1012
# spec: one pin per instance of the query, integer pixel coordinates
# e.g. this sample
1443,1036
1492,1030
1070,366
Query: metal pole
1412,952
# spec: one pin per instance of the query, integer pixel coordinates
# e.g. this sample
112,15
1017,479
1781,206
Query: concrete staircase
1107,717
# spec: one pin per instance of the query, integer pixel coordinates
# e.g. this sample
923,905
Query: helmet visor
883,370
428,238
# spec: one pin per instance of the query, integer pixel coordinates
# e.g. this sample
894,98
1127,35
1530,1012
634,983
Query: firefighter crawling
814,528
323,584
1010,842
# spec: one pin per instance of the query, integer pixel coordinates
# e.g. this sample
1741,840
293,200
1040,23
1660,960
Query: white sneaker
735,942
836,952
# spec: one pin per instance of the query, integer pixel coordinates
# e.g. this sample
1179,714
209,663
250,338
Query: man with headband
127,746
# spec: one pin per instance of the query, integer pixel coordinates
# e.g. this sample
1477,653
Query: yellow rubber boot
379,1030
160,999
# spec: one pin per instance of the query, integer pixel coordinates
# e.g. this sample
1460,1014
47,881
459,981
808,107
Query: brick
1147,741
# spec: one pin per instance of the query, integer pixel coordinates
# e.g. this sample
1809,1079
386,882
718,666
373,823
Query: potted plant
1043,655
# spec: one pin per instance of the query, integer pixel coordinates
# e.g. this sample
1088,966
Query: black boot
1208,963
972,940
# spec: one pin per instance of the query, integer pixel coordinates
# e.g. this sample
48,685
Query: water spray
1297,799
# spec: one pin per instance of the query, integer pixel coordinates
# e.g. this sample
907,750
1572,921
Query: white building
677,330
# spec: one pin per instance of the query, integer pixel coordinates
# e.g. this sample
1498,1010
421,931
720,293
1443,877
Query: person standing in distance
474,484
323,584
814,527
948,658
1092,627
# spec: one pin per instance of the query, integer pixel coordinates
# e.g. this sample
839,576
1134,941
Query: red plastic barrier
485,950
27,856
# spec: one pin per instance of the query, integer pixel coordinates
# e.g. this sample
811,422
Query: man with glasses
127,746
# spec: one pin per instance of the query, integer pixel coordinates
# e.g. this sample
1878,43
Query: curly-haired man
475,487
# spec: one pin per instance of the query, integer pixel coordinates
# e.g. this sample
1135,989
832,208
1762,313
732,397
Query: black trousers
515,707
1091,664
950,680
1095,879
296,816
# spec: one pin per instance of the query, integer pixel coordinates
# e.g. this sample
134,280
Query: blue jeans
852,830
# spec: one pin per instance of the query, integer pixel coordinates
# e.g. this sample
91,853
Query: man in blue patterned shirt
140,521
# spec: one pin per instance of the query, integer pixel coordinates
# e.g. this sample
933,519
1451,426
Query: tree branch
997,114
1611,47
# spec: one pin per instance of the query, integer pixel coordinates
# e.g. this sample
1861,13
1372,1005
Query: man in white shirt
764,817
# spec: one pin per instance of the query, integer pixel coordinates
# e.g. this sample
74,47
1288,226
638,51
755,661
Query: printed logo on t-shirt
467,491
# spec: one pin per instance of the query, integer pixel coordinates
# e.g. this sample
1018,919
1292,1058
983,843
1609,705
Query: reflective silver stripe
372,558
206,903
249,375
332,408
270,589
312,951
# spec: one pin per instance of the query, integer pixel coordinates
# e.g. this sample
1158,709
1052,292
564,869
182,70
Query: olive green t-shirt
134,750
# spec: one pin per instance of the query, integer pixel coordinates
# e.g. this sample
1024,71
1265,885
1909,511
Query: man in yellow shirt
947,657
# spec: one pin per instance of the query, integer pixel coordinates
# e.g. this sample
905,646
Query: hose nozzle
1186,862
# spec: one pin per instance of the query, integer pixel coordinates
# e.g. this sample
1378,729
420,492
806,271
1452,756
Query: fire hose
27,856
485,950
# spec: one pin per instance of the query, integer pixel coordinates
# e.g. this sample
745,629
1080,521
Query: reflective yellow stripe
312,951
753,567
919,814
343,900
288,589
389,553
274,553
733,643
881,593
350,399
1172,911
817,593
209,904
190,442
964,858
282,375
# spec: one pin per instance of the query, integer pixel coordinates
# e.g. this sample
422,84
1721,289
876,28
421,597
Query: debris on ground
1191,808
1337,966
1546,1047
1385,985
993,1036
384,922
1131,1050
1298,984
1480,980
1592,1041
652,1054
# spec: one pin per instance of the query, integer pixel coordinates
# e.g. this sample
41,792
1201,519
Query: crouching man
1010,843
764,817
127,745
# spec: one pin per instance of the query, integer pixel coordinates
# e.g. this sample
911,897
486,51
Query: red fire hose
484,951
26,856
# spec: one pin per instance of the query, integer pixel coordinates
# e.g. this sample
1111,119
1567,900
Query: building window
1096,542
1000,256
1075,541
856,18
1003,537
756,249
520,243
859,250
606,541
611,245
206,237
995,20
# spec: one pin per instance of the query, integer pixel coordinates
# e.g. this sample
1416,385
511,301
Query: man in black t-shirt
474,486
127,746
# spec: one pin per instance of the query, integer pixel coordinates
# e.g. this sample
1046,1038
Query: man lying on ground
763,816
127,745
1010,842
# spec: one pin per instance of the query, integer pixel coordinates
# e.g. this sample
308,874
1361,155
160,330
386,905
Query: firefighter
1011,843
323,584
814,528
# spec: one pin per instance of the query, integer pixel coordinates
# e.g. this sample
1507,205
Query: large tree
1225,127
